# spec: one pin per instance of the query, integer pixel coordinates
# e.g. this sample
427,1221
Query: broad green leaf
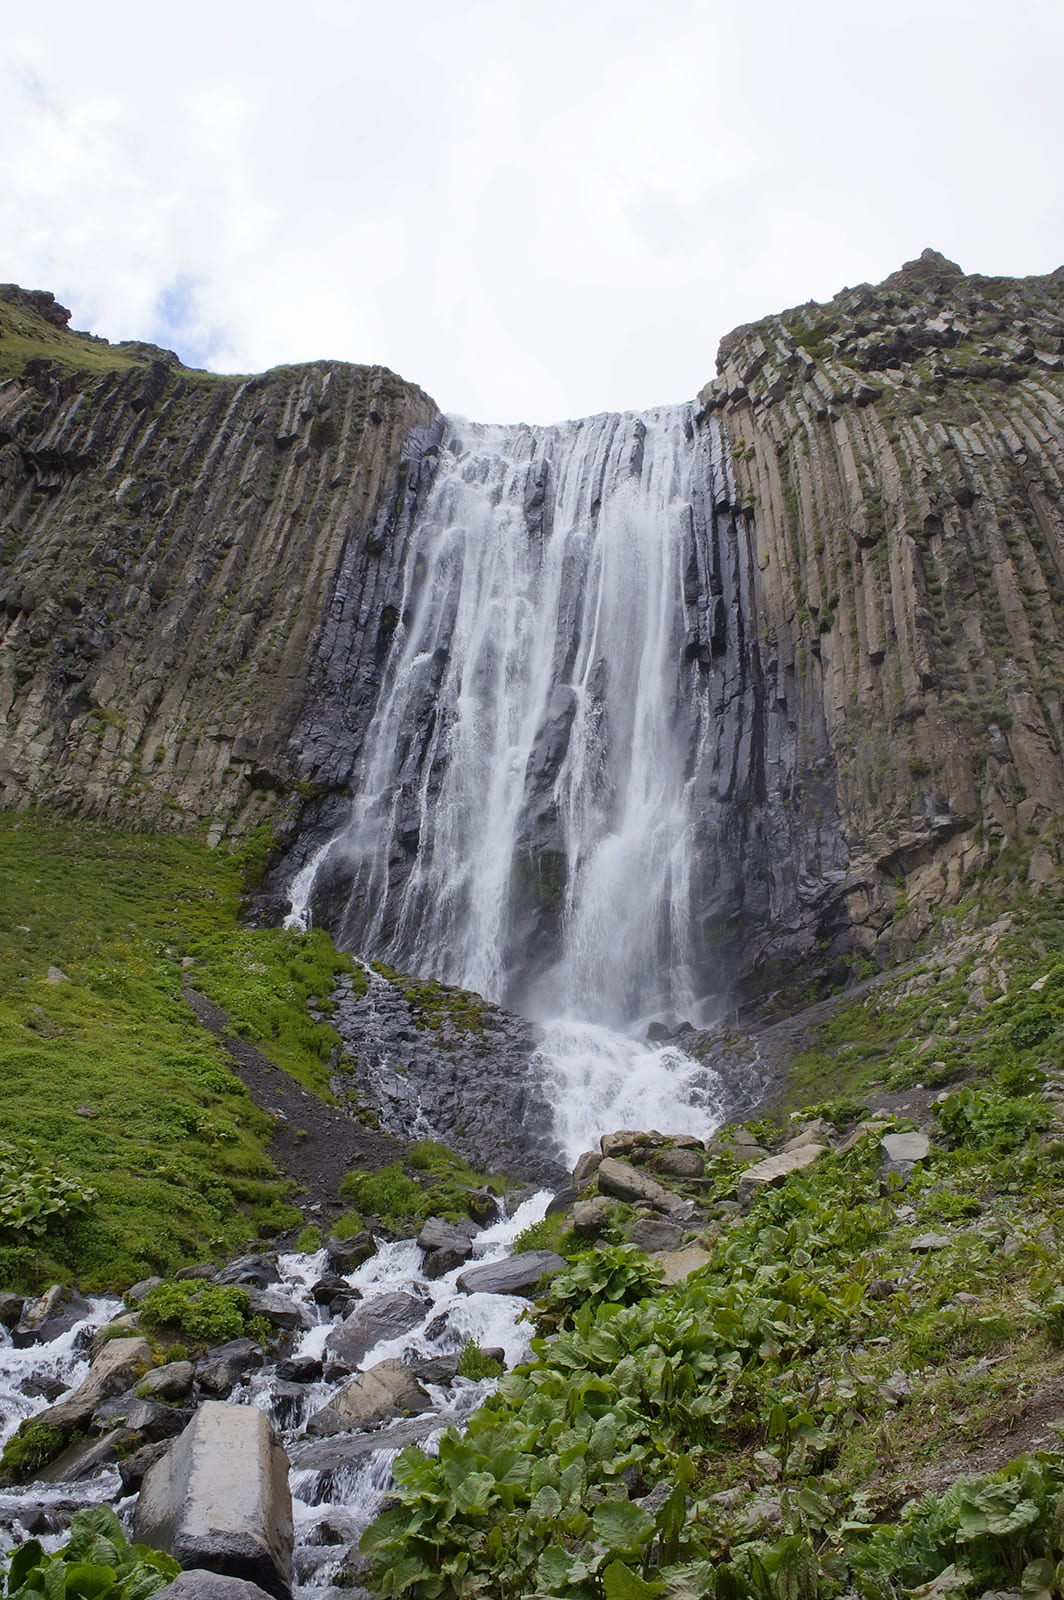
621,1525
548,1503
88,1581
475,1493
1038,1580
25,1558
621,1583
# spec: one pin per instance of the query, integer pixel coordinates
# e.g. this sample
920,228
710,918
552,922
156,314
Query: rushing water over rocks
337,1480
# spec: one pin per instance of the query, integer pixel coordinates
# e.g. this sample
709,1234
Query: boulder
85,1458
11,1308
586,1167
121,1327
907,1147
325,1455
55,1312
331,1288
219,1499
249,1272
345,1255
436,1234
590,1217
300,1369
200,1585
652,1235
680,1163
118,1366
624,1182
679,1264
385,1391
515,1275
279,1311
771,1172
133,1296
223,1367
172,1382
384,1317
439,1262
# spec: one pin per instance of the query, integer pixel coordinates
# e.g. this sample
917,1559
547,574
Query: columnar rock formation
200,579
169,541
901,458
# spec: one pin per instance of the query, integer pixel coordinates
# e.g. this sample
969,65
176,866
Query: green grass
109,1075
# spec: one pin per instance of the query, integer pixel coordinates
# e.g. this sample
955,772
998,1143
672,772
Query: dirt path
313,1143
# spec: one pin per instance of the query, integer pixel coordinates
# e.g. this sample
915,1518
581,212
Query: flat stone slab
679,1264
325,1455
905,1146
384,1317
219,1499
652,1235
929,1241
769,1174
201,1585
516,1275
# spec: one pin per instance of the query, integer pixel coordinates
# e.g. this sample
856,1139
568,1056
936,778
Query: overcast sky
533,210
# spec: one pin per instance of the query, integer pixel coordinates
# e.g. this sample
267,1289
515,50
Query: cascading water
525,820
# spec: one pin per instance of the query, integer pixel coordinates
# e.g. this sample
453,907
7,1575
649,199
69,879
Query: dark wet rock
515,1275
439,1262
87,1456
384,1317
219,1499
204,1270
43,1387
440,1370
300,1369
331,1288
132,1468
223,1367
151,1420
11,1308
249,1272
345,1255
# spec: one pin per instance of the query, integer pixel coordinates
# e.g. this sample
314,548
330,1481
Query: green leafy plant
33,1193
990,1120
96,1563
475,1365
203,1313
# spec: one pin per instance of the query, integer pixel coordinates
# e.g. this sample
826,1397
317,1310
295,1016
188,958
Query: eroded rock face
219,1499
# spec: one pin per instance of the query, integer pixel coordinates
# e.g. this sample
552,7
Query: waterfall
526,805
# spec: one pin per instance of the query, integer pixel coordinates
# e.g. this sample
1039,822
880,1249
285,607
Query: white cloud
531,211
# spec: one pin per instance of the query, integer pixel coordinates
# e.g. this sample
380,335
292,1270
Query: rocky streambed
235,1457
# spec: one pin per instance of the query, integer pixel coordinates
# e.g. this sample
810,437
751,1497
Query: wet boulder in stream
515,1275
219,1499
386,1391
384,1317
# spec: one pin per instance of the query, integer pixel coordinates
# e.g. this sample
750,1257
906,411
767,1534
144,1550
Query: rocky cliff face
168,542
200,578
899,453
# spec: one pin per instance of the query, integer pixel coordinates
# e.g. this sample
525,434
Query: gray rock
929,1241
516,1275
625,1182
385,1391
680,1163
11,1308
436,1234
118,1366
132,1468
249,1272
384,1317
325,1455
440,1370
439,1262
136,1294
586,1167
590,1217
201,1585
908,1147
87,1456
219,1499
278,1310
651,1235
172,1382
771,1172
44,1319
345,1255
224,1366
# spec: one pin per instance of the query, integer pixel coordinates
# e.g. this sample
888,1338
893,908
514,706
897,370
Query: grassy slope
108,1073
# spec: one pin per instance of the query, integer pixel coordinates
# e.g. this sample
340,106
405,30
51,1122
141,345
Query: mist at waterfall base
540,843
